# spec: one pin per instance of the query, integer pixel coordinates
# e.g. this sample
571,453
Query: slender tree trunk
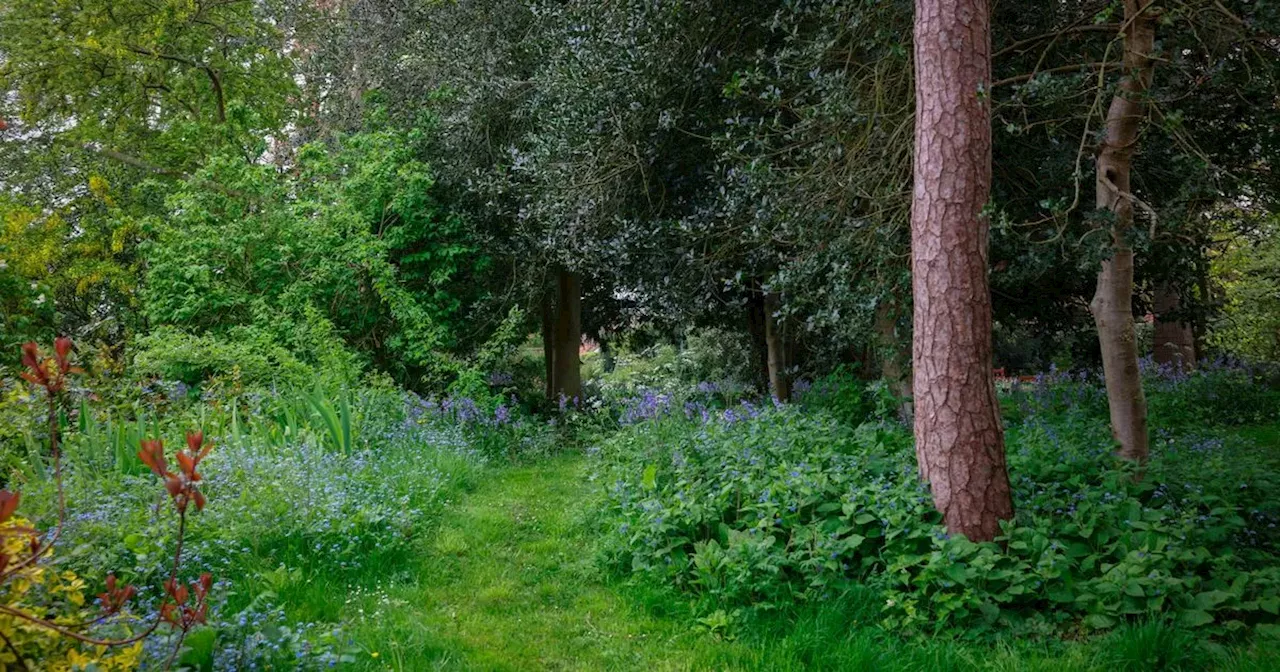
959,438
775,339
607,361
1112,304
894,358
1174,339
568,336
759,344
549,344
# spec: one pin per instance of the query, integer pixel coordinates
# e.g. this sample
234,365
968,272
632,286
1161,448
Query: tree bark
759,345
1112,304
568,337
959,437
549,344
775,339
1174,339
894,359
607,361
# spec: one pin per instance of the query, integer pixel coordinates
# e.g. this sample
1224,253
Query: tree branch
154,169
214,79
1075,67
1113,28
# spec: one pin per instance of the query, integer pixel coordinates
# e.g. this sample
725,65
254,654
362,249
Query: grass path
507,582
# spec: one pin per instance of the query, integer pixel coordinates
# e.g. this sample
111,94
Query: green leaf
1210,599
1268,630
1194,618
650,478
1061,594
957,573
990,612
1099,621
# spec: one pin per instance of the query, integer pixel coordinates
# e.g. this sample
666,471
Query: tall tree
1174,340
959,438
108,103
1112,304
1206,146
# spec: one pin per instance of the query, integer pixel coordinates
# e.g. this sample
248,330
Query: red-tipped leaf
152,455
62,349
8,504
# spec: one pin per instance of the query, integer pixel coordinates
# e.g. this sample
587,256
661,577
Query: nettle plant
43,611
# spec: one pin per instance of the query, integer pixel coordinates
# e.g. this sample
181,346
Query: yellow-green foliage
1250,286
40,589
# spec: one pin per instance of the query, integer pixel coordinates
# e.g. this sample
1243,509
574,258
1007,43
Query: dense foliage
763,507
296,501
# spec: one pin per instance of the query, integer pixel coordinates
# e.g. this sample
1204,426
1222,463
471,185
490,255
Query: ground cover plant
755,534
302,503
758,508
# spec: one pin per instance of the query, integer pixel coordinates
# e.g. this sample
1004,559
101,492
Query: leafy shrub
656,367
48,606
291,505
718,355
1054,394
254,356
492,427
783,506
1215,393
299,499
847,398
750,509
41,589
20,418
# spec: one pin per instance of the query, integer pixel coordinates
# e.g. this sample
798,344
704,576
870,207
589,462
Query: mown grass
507,580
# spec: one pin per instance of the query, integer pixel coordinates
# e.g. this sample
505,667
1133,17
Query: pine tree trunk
959,437
1174,339
549,344
775,339
1112,304
568,337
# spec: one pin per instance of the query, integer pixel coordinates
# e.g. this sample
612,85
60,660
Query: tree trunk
607,362
1174,339
568,337
959,438
549,344
775,339
894,358
1112,304
759,345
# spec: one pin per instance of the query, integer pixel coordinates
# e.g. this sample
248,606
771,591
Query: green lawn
507,581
